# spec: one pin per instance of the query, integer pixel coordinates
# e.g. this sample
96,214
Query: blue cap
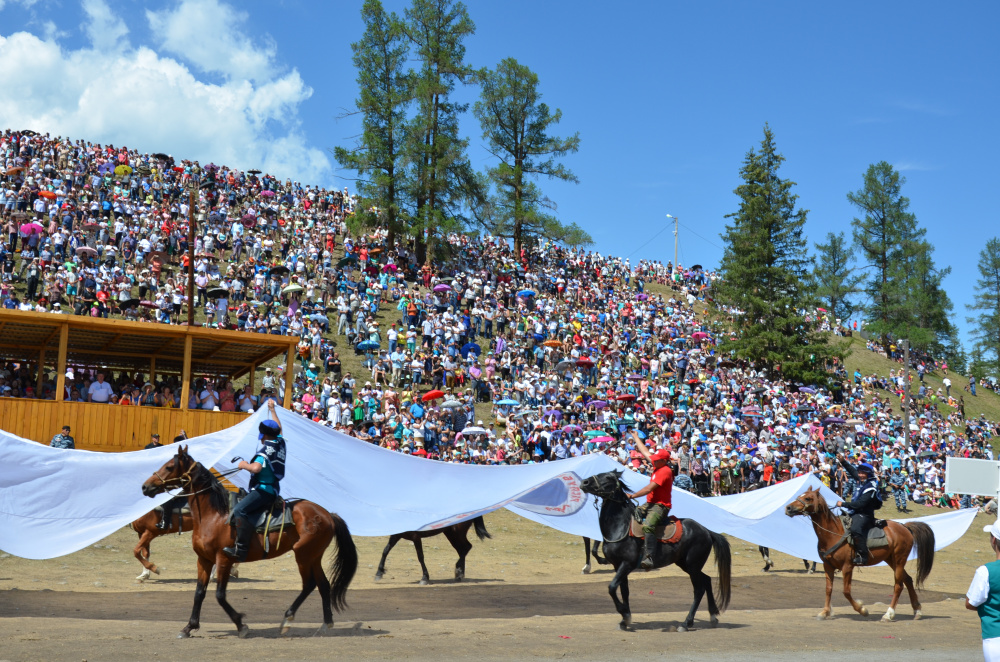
268,427
867,468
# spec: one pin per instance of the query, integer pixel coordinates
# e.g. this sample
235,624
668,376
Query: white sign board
967,476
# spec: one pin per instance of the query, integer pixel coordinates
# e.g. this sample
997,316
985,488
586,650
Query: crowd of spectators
561,351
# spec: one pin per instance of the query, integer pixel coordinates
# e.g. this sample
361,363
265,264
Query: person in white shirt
100,391
985,600
208,398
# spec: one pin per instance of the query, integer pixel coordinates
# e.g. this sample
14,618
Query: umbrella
123,170
279,270
696,267
211,167
590,434
822,310
473,430
430,395
804,408
753,414
555,413
584,362
551,343
526,293
147,304
635,377
267,194
625,397
161,156
218,293
602,439
854,421
451,404
294,287
833,420
507,402
104,168
129,303
348,259
86,250
442,287
390,268
48,195
663,411
807,389
693,381
759,390
471,347
248,221
254,171
572,428
699,335
369,345
14,170
725,364
31,228
642,296
565,365
597,404
928,454
215,216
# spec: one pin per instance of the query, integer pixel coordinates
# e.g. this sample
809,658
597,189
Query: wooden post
41,373
152,370
186,372
289,375
252,377
61,363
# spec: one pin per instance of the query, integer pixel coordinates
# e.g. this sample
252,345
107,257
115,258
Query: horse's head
176,472
603,485
809,502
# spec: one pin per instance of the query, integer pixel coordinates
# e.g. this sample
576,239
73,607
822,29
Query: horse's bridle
616,496
805,512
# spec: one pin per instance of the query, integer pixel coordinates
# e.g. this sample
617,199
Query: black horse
457,535
592,548
689,554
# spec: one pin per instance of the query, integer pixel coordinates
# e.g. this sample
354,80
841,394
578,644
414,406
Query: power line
646,243
707,241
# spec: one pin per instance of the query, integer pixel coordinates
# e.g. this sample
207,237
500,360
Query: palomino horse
457,535
838,555
315,528
689,554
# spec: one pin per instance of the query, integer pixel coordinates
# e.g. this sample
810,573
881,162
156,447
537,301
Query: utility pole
675,238
905,344
192,191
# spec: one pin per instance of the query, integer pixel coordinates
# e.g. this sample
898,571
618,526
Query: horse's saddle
876,535
183,511
668,532
280,514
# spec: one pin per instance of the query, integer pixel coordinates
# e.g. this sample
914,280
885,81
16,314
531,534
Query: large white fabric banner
54,502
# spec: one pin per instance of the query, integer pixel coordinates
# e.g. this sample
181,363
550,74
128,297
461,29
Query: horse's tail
724,561
480,525
344,565
923,538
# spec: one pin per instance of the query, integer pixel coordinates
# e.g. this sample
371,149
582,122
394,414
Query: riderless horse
837,554
457,535
690,553
313,529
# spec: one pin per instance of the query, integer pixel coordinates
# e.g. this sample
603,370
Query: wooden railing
109,428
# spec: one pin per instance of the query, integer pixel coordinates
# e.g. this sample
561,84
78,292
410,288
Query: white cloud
913,166
140,98
208,34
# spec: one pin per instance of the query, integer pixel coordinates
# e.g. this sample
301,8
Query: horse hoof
681,628
244,631
183,634
155,569
286,625
425,582
863,611
917,615
143,576
889,616
378,576
714,622
822,616
586,570
323,629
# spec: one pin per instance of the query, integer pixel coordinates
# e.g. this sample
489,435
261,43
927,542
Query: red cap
662,454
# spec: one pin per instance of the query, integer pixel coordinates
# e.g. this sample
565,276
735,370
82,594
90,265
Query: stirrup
647,562
236,553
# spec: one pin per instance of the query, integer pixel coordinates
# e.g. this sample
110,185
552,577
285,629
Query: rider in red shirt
657,494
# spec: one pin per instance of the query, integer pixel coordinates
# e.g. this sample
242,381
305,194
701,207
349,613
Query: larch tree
986,306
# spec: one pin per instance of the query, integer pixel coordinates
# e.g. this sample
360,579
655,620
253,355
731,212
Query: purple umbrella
635,377
105,168
806,389
833,420
554,412
211,167
442,287
572,428
597,404
267,194
642,296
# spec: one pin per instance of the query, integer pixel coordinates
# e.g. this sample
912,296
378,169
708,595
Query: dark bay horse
457,535
689,554
838,555
592,549
315,528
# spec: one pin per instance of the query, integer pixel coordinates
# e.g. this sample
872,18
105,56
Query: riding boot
165,518
860,550
647,557
239,551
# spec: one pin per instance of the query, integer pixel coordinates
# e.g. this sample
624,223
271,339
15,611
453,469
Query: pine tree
516,125
986,305
763,270
383,95
834,280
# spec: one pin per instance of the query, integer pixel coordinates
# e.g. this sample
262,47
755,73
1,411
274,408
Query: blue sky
667,97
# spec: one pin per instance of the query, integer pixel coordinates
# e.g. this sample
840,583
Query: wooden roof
123,345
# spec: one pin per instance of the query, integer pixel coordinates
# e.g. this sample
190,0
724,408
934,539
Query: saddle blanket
876,535
668,532
279,519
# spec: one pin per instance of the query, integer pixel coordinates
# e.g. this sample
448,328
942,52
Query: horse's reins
613,496
843,536
186,479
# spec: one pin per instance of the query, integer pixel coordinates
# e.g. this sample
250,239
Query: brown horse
837,554
314,529
457,535
146,527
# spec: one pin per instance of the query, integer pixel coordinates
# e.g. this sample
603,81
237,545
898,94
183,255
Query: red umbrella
625,397
664,411
48,195
585,363
693,381
432,395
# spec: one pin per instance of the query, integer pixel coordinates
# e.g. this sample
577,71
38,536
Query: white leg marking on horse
586,569
143,576
890,615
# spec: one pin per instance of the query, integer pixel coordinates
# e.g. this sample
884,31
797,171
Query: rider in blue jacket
863,504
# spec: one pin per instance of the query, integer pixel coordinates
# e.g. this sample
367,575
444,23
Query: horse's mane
218,495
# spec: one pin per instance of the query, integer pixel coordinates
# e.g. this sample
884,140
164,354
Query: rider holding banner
657,494
268,468
863,504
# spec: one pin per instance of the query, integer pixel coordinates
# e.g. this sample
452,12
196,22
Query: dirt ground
524,598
